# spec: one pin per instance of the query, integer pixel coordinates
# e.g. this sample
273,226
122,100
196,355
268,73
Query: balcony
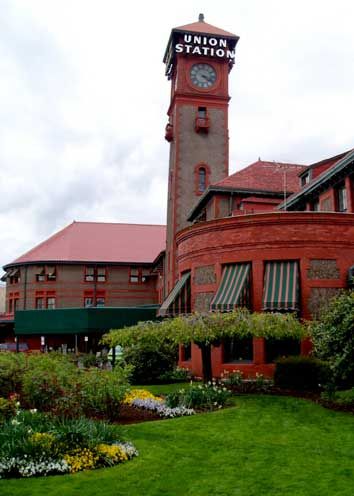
202,124
169,132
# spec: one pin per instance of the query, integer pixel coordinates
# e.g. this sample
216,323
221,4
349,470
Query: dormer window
305,179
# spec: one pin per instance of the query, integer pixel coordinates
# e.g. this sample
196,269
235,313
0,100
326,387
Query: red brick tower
198,60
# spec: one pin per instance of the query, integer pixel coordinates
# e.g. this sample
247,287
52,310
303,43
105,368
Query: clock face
203,75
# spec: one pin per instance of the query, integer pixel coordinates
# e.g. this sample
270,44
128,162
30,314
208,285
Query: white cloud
83,102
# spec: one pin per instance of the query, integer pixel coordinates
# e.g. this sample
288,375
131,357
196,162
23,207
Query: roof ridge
53,236
116,223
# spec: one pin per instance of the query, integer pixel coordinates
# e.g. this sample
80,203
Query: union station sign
205,45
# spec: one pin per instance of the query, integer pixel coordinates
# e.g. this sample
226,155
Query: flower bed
33,444
143,399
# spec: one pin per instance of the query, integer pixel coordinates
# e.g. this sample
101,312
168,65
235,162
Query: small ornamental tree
333,339
207,330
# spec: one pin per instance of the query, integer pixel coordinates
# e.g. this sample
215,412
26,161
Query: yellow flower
114,452
81,459
141,394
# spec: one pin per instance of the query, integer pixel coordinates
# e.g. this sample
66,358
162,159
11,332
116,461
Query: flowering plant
203,396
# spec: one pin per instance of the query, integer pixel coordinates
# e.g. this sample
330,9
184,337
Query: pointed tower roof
203,27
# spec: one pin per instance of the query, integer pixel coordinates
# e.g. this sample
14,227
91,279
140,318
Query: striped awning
281,286
234,288
179,299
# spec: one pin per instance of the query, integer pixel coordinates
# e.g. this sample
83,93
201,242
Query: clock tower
198,60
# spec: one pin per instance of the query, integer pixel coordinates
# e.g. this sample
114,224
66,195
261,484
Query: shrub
102,392
150,363
47,379
54,383
179,374
345,397
12,366
300,373
202,396
7,409
333,339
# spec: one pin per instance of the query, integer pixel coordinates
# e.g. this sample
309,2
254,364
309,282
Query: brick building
272,237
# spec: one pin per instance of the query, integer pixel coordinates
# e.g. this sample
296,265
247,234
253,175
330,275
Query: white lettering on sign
204,45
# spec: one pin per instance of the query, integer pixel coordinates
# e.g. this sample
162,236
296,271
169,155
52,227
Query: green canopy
234,288
281,286
80,320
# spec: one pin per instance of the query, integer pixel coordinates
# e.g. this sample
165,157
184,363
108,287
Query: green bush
47,379
199,396
151,362
7,409
344,397
12,366
300,373
102,392
333,339
54,383
178,374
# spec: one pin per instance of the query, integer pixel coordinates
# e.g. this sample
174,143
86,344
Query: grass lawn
265,445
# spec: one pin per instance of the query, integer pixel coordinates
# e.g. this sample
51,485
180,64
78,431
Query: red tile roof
100,242
265,176
204,27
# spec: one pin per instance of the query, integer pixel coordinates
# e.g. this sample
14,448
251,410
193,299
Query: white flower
15,422
34,410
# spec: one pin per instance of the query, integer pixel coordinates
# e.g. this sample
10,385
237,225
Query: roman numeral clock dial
203,75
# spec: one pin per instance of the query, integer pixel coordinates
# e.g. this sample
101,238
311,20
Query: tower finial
201,18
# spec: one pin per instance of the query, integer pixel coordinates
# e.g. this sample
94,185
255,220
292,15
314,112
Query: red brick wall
70,286
323,244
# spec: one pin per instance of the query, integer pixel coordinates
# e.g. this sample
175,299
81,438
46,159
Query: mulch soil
130,415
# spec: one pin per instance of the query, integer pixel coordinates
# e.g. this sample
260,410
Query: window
40,275
316,205
238,350
88,301
101,274
16,300
51,273
276,348
89,274
186,352
39,303
15,276
201,179
97,274
51,302
202,112
10,305
305,179
138,275
46,273
341,198
100,301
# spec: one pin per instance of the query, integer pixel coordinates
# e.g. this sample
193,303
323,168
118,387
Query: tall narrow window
51,302
202,112
202,179
342,198
39,303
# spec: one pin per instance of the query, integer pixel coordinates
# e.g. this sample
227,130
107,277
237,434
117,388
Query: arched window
201,179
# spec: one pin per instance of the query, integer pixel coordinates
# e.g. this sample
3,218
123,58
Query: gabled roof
339,166
266,176
99,242
265,179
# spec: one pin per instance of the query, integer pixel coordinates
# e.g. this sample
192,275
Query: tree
333,338
207,330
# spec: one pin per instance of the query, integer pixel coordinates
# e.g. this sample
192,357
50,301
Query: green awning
178,301
281,286
234,288
80,320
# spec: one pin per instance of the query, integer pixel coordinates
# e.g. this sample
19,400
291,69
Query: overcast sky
83,102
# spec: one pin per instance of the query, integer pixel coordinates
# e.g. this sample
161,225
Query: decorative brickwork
323,269
205,275
319,298
202,302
